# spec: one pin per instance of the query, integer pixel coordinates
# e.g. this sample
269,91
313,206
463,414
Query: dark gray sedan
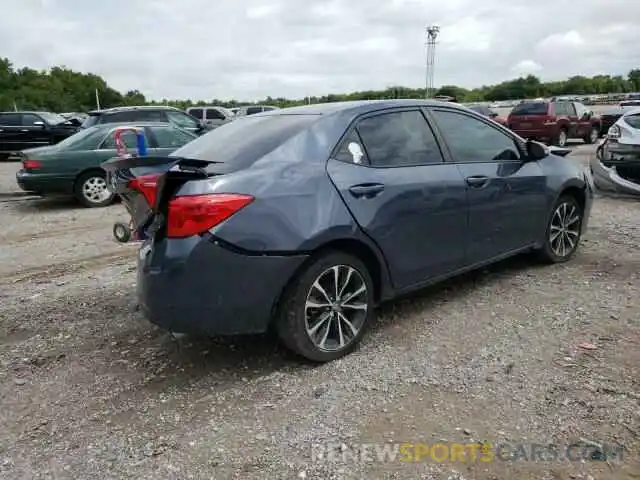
304,219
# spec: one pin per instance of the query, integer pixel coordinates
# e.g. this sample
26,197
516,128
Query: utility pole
432,34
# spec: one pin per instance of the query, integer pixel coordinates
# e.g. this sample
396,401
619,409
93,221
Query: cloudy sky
248,49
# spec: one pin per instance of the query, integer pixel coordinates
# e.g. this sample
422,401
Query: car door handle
477,181
366,190
24,130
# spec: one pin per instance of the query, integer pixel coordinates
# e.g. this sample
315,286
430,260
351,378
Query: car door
506,194
34,131
390,172
574,121
167,139
10,126
584,120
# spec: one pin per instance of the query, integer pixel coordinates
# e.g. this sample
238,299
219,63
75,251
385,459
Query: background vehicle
147,114
554,122
253,109
234,110
487,112
72,167
340,206
20,130
622,146
212,116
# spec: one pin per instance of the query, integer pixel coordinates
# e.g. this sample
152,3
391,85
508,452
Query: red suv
554,122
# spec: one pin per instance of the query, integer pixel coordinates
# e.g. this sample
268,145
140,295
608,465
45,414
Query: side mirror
39,124
536,150
586,115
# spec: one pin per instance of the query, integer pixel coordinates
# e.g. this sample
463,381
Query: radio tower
432,35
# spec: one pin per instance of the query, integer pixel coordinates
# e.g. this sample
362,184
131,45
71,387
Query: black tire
121,232
562,138
82,194
593,136
291,321
551,251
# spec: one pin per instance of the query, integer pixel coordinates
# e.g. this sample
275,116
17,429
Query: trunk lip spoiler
119,163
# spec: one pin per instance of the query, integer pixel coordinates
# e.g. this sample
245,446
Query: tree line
61,89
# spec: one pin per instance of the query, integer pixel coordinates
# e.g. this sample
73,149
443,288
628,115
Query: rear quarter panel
296,207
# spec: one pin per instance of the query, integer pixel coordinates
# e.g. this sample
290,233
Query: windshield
52,118
537,108
246,140
86,139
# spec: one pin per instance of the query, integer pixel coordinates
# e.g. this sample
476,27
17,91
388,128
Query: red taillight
195,214
31,164
147,185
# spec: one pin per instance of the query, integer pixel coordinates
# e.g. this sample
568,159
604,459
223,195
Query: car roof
130,109
358,107
107,126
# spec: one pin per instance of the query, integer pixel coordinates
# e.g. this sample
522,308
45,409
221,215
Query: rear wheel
593,136
561,139
121,232
327,308
563,232
91,189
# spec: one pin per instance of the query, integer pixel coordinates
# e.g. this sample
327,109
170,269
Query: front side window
399,139
213,114
28,119
472,140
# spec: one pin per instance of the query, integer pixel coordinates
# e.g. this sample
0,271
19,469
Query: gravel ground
89,389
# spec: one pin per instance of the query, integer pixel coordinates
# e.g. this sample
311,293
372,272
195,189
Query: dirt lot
89,389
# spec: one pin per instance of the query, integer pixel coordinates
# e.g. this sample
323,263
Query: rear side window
399,139
196,112
168,137
533,108
128,138
118,117
244,141
10,119
633,120
90,121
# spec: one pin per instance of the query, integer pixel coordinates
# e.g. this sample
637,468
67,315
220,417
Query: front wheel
563,232
92,190
325,311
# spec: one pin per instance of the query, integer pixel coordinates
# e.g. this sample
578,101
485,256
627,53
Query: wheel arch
367,254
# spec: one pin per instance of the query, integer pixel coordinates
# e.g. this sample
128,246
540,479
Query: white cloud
526,67
248,49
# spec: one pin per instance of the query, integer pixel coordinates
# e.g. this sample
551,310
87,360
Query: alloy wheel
564,231
95,190
336,308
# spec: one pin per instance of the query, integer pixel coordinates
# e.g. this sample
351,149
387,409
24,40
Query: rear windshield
85,139
244,141
633,120
537,108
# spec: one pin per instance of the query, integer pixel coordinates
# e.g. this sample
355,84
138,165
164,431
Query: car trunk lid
146,184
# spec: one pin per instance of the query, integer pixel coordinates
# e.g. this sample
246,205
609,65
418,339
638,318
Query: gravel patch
517,353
